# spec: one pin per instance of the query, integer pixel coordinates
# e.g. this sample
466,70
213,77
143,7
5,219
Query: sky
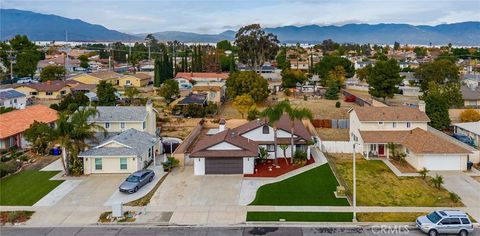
215,16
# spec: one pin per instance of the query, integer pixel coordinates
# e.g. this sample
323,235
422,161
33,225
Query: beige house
52,89
96,77
373,128
127,152
135,80
215,91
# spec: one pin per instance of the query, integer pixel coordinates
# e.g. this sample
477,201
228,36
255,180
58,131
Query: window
301,147
144,125
465,221
63,92
270,147
265,129
98,163
107,125
150,152
33,93
455,221
122,125
127,82
409,124
380,123
394,124
15,100
123,163
434,217
49,93
446,221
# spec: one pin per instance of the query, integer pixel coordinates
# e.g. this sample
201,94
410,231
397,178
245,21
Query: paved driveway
199,199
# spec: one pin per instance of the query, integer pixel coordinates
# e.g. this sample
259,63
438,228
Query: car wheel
463,233
433,232
135,189
150,180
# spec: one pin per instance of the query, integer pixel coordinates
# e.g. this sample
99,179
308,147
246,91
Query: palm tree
423,172
295,114
438,181
273,114
284,148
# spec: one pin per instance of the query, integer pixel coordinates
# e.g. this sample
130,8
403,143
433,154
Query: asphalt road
140,231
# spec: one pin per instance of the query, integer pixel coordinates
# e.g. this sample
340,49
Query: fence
331,123
179,153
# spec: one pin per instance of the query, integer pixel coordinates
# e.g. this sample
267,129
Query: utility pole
174,59
67,49
354,188
109,58
11,57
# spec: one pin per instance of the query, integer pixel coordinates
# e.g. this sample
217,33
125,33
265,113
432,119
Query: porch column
368,151
308,152
154,156
388,153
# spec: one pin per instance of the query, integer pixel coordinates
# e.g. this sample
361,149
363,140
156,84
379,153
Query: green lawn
377,185
26,187
311,188
301,216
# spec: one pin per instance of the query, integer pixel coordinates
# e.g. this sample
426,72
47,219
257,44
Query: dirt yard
325,109
397,100
327,134
178,127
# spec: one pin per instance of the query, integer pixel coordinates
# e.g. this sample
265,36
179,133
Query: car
136,180
445,222
463,138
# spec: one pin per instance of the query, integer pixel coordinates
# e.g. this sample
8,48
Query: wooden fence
331,123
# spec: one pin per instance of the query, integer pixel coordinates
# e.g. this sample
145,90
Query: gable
224,146
111,144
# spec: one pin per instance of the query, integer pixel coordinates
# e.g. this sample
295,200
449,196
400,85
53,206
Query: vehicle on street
445,222
136,180
464,138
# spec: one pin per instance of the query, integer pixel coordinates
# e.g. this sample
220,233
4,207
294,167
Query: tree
169,90
423,172
273,114
295,114
53,72
290,78
337,75
106,94
224,45
420,52
255,46
131,93
437,181
332,90
244,103
39,134
439,71
27,56
247,82
396,46
328,63
470,115
83,61
384,78
71,102
284,148
437,110
282,61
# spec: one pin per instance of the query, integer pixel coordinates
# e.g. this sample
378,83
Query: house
183,84
202,76
127,152
299,65
362,64
233,151
116,119
470,129
12,98
471,94
51,89
135,80
97,77
216,91
14,123
375,127
194,98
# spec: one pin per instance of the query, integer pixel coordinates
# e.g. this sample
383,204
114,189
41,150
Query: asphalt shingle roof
10,93
120,113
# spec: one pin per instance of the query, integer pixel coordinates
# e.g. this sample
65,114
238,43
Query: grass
146,199
26,187
329,134
311,188
377,185
301,216
389,216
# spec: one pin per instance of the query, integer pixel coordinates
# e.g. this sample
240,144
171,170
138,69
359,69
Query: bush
252,114
287,92
305,98
170,164
300,158
7,168
337,104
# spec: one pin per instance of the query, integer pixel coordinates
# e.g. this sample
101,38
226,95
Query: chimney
221,125
421,106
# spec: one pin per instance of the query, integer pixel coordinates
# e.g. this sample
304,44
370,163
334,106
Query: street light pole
354,188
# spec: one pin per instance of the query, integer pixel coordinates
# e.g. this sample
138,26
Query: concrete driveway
199,199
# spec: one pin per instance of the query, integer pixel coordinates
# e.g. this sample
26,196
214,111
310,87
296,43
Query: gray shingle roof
470,94
137,141
10,93
120,113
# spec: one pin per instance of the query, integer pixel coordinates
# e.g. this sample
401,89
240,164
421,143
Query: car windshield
133,179
434,217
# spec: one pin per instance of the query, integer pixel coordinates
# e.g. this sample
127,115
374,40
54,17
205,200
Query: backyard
314,187
377,185
26,187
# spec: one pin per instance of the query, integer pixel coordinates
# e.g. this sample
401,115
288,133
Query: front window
33,93
122,125
409,124
270,147
434,217
49,93
144,125
265,129
107,125
123,163
98,163
394,124
301,147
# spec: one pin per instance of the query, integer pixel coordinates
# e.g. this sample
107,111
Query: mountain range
42,27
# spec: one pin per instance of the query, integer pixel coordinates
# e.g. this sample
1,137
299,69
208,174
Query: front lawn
301,216
377,185
311,188
26,187
389,216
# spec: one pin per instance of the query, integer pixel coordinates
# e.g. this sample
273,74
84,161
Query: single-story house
127,152
216,91
96,77
135,80
51,89
202,76
12,98
14,123
471,94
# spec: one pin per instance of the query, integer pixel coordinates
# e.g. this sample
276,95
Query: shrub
287,92
337,104
305,98
170,164
252,114
7,168
300,158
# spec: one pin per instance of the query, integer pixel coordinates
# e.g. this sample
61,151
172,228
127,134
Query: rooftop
120,113
10,93
248,148
401,113
473,127
201,75
17,121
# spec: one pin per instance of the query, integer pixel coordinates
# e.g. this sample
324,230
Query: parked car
136,180
463,138
445,222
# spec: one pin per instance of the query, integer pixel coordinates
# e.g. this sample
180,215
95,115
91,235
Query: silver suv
445,222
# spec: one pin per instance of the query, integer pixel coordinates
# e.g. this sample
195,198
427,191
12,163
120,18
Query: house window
380,123
63,92
301,147
409,124
270,147
15,100
150,152
394,124
49,93
107,125
122,125
373,147
98,163
127,82
33,93
123,163
266,129
144,125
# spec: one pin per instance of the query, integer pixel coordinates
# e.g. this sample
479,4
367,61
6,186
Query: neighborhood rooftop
17,121
473,127
119,113
10,93
245,147
404,113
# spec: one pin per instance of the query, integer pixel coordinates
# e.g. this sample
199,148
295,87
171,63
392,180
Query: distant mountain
41,27
51,27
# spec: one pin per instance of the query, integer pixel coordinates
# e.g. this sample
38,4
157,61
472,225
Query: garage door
443,162
224,166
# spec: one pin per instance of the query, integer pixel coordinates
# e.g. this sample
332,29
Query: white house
233,151
12,98
375,127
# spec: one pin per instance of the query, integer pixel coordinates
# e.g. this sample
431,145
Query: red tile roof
202,75
17,121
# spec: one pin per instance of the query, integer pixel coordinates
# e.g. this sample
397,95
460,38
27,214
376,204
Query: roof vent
233,134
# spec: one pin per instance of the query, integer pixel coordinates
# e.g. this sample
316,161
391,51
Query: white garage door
443,162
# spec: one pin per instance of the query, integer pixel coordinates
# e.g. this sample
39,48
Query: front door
381,149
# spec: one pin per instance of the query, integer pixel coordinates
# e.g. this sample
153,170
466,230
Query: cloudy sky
214,16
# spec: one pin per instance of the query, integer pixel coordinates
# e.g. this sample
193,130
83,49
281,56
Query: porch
376,150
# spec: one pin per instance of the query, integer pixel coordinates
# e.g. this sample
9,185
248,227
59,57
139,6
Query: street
140,231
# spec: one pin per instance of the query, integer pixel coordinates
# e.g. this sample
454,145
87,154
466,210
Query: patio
267,168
